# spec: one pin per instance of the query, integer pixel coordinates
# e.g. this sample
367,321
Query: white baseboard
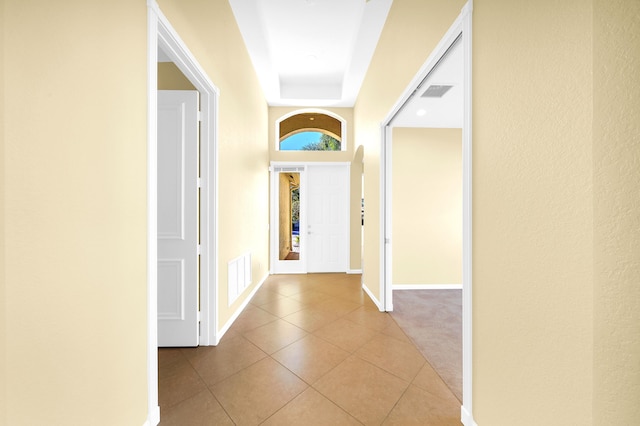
427,286
354,271
153,418
373,299
238,311
466,417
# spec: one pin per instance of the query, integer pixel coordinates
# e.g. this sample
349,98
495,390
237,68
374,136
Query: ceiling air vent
435,91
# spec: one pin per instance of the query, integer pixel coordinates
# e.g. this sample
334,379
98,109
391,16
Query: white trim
238,311
354,271
427,287
372,297
161,34
343,125
467,195
153,408
171,43
466,417
461,27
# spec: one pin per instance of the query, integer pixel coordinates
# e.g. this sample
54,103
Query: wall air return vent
436,91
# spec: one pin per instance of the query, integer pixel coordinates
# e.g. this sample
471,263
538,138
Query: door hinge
199,253
199,115
199,182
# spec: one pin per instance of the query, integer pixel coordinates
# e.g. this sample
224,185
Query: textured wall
616,176
532,213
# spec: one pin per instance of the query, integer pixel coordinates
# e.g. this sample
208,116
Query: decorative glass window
311,131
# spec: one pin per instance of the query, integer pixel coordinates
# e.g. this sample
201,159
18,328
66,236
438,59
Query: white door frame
289,266
461,27
161,34
273,224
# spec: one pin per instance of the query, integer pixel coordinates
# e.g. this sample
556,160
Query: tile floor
307,350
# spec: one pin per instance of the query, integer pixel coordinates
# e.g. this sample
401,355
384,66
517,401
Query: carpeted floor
433,320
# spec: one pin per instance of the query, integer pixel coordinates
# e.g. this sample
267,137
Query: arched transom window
311,131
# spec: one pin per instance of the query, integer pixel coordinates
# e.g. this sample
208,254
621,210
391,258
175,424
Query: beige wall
75,191
171,78
276,113
75,212
357,172
616,179
554,200
412,30
532,213
3,299
427,206
211,33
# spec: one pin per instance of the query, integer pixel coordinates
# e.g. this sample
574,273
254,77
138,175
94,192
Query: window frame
343,128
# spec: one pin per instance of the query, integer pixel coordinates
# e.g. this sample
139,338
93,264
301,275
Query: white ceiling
315,53
311,52
437,112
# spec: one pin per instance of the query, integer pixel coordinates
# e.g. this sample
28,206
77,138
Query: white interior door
177,218
327,218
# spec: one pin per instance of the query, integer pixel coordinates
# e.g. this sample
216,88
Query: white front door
327,218
177,218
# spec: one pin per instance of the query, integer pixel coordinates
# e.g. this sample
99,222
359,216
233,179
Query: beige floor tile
418,407
370,318
176,382
365,391
310,319
263,296
310,358
201,409
288,285
216,363
275,335
167,356
283,306
311,409
394,330
255,393
399,358
429,380
336,306
252,317
355,357
345,334
311,297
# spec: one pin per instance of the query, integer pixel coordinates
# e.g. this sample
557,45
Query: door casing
160,34
301,167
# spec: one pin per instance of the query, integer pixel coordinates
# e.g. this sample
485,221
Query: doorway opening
409,109
163,38
310,214
289,216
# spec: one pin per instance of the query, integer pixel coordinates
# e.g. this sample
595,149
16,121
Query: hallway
308,349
